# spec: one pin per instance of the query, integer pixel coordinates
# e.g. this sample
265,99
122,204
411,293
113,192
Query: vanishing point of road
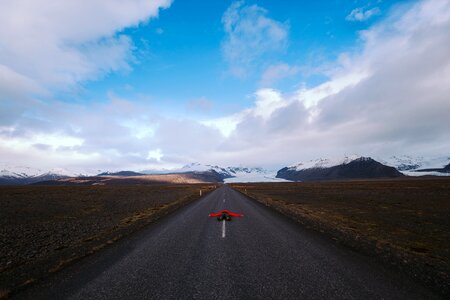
187,255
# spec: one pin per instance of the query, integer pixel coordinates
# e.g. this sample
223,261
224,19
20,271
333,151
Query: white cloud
310,97
155,154
51,44
276,72
250,34
51,141
360,14
267,102
226,125
389,98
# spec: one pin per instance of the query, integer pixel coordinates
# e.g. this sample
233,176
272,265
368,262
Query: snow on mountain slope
243,174
238,174
8,170
12,171
322,163
193,167
229,174
197,167
404,162
409,165
337,169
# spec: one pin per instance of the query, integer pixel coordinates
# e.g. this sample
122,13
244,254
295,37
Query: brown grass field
404,222
44,228
131,180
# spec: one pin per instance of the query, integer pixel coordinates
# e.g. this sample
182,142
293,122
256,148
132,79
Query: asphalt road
262,255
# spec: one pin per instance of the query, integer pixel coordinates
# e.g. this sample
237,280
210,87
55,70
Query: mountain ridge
348,168
407,165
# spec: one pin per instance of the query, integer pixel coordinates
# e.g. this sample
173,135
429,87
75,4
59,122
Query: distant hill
24,180
348,168
121,173
184,178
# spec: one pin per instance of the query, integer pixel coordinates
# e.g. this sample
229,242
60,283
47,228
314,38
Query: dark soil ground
406,223
44,228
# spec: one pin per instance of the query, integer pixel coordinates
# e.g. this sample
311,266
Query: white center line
223,200
223,228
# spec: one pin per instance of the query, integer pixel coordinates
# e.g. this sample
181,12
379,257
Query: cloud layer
392,97
389,97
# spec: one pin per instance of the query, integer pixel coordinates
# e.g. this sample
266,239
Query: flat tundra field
405,222
44,228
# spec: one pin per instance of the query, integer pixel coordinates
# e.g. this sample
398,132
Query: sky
152,84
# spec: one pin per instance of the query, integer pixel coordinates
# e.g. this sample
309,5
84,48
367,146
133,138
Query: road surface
261,255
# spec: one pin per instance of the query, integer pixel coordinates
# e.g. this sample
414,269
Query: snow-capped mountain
198,167
356,166
195,168
408,165
418,165
18,171
16,174
353,167
11,171
322,163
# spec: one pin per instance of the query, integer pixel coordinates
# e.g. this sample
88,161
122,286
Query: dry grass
142,179
4,294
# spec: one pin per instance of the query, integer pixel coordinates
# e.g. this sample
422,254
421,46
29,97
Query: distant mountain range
232,174
20,175
359,167
121,173
195,172
348,168
352,167
22,180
